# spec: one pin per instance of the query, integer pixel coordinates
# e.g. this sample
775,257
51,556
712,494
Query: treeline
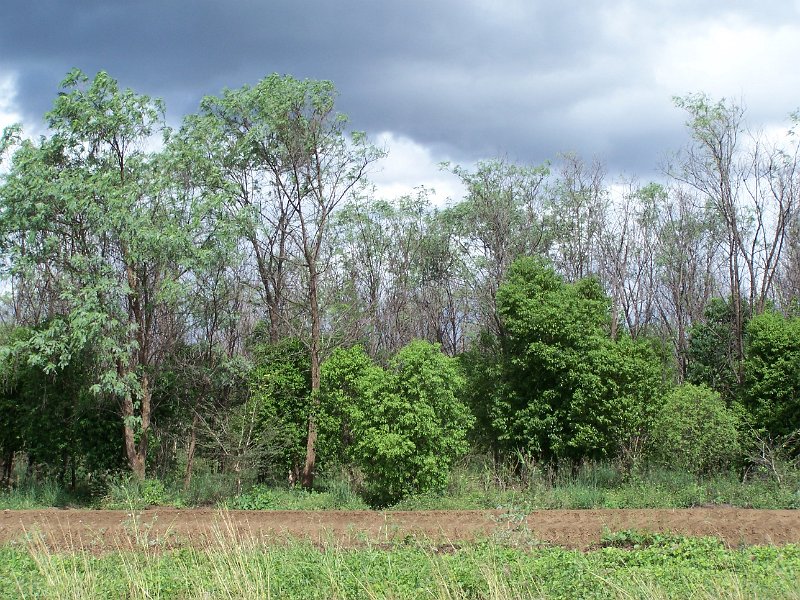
233,294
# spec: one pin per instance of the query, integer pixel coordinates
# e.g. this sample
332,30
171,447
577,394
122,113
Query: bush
695,431
772,374
410,425
554,386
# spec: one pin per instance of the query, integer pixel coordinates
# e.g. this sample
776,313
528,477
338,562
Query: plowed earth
167,528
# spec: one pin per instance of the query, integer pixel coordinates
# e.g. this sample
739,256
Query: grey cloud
469,78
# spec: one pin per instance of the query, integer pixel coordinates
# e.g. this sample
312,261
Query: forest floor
108,530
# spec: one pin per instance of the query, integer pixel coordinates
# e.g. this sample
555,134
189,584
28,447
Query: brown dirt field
100,530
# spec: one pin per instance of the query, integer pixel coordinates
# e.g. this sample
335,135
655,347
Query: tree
712,359
686,259
286,164
341,399
578,205
565,389
53,418
280,385
771,390
752,189
501,219
90,214
380,249
227,151
317,167
628,258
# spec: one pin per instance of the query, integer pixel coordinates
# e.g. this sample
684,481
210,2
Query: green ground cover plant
630,565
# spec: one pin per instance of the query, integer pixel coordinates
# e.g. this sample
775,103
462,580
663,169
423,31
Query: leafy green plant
695,431
772,374
555,386
662,566
258,498
262,497
410,426
132,493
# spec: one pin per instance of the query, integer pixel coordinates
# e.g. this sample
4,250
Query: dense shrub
410,424
713,359
554,385
772,373
695,431
280,390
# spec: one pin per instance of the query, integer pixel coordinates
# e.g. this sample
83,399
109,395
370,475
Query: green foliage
411,424
100,235
261,497
712,357
473,485
129,493
695,431
488,486
52,417
280,389
564,388
772,373
341,395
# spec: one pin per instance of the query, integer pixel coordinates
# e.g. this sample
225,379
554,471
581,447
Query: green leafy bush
695,431
280,389
555,386
772,373
132,493
410,424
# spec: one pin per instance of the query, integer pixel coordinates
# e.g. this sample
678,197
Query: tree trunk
311,442
136,453
187,478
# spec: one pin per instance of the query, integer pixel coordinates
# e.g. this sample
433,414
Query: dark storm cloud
474,79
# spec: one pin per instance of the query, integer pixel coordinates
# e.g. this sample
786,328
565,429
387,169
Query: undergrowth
475,484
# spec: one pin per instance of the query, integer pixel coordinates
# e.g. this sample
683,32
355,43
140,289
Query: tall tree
280,155
88,211
578,206
320,168
229,150
379,249
313,167
751,184
689,236
501,219
628,258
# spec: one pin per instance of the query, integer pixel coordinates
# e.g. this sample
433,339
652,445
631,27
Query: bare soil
102,530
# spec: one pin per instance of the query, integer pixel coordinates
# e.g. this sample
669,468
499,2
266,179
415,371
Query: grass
660,567
45,493
628,565
476,486
473,485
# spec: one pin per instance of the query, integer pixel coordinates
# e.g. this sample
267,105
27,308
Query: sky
432,80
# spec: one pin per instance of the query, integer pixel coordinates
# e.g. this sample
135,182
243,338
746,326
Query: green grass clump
661,566
45,493
603,485
476,484
262,497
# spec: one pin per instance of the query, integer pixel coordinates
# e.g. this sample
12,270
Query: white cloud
8,92
735,58
410,165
